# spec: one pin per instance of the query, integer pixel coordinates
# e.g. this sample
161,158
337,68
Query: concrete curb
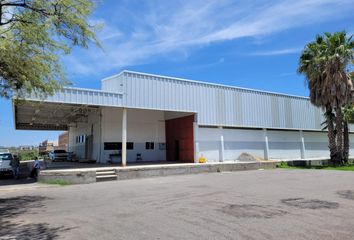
88,175
71,177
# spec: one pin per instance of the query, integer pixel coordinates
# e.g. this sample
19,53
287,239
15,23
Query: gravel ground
269,204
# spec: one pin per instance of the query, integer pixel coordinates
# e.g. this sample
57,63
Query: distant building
63,141
26,147
47,146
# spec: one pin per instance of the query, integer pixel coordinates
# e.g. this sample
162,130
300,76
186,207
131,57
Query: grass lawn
349,167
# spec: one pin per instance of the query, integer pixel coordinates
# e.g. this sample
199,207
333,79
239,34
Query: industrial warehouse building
144,117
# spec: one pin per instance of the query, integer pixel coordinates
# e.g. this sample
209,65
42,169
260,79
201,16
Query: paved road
270,204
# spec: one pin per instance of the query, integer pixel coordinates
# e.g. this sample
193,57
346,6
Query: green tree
325,62
33,34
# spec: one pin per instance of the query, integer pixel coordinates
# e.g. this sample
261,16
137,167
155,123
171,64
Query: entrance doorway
179,139
88,147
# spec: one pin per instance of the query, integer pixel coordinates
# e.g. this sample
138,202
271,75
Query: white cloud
165,27
107,32
76,65
277,52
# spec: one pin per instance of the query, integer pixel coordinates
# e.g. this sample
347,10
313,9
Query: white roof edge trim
113,76
208,83
263,127
90,90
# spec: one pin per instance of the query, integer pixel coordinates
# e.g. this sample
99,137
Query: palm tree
324,62
348,114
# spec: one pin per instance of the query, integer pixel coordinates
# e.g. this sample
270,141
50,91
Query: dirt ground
269,204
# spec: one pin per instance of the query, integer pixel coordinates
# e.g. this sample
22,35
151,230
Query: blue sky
253,44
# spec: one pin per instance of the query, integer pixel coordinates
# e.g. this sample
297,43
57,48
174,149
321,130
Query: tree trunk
339,132
331,135
346,142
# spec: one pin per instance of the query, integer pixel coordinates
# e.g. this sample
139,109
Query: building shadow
13,207
6,180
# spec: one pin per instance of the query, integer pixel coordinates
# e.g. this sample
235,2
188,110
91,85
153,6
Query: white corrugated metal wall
282,144
216,105
230,107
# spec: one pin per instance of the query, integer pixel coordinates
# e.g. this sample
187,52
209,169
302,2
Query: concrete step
109,172
102,178
105,169
106,175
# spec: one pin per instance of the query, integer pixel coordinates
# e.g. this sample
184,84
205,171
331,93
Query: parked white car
58,155
5,160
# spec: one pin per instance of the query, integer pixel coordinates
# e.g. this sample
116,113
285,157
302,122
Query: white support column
266,150
303,150
221,153
124,138
196,143
101,138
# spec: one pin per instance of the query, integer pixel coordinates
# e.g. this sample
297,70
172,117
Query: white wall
282,144
149,126
143,126
316,144
91,127
236,141
209,143
351,143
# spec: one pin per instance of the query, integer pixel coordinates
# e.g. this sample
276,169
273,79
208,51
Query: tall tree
324,62
33,33
348,114
348,118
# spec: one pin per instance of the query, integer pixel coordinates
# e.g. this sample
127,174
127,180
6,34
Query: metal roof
214,104
201,83
82,96
66,107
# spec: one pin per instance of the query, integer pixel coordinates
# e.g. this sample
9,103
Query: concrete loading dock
97,174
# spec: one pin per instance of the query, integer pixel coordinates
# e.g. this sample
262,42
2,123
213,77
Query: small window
162,146
130,145
117,146
112,146
59,151
149,145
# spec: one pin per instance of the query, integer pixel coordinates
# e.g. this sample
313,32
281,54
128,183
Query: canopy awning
65,108
30,115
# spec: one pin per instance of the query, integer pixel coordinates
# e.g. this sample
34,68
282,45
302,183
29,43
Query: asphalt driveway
270,204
